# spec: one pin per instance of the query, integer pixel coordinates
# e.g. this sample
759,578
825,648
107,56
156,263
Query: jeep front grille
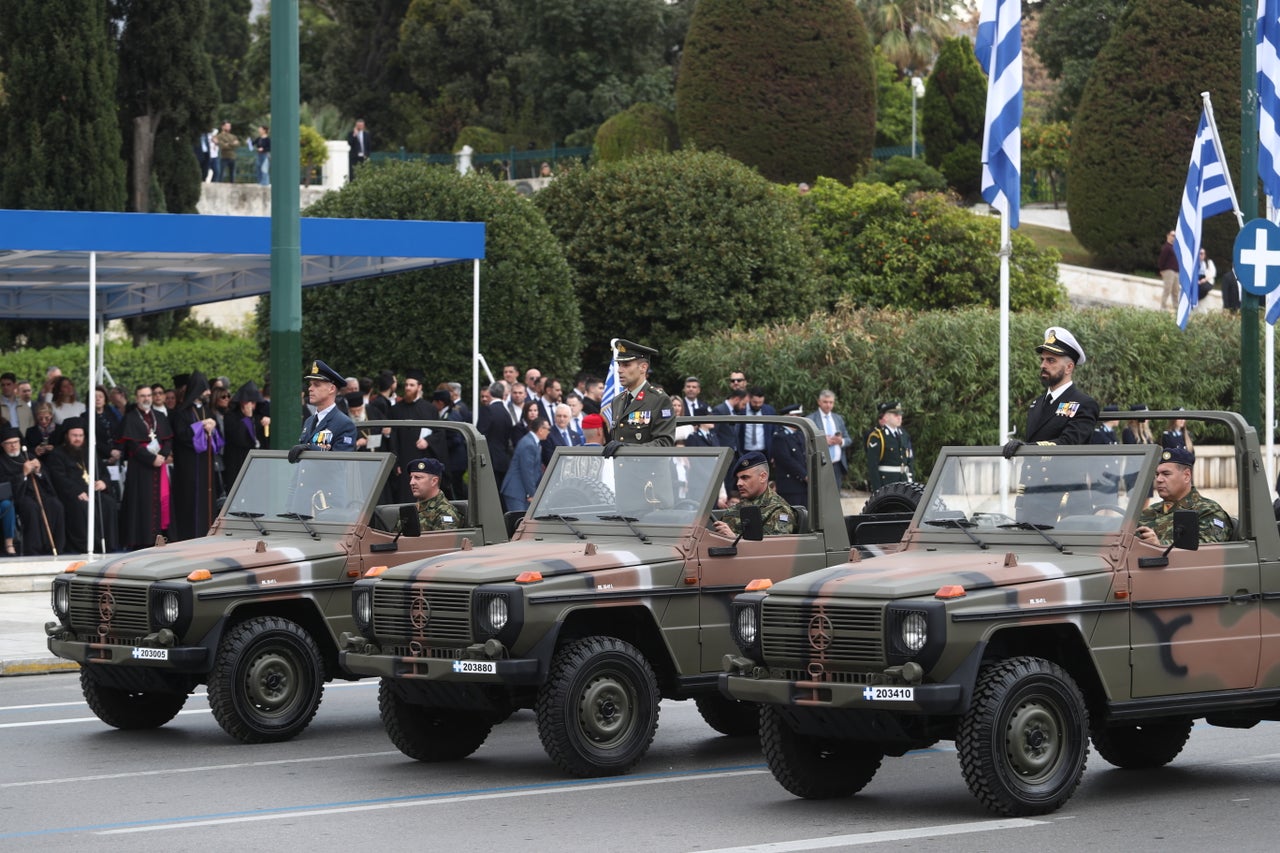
835,634
423,614
110,609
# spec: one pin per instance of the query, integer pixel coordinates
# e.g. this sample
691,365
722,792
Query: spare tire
894,497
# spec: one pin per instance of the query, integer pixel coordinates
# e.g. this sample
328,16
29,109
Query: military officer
1065,414
434,510
890,456
752,472
1176,491
329,428
642,413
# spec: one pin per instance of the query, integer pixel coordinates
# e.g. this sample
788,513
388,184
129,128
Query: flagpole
1222,158
1006,248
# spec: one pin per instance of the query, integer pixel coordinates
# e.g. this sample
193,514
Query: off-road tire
580,491
729,716
430,734
127,709
812,767
267,680
598,710
894,497
1023,743
1142,746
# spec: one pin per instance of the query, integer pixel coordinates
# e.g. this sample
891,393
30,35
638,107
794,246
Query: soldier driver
434,510
753,486
1173,485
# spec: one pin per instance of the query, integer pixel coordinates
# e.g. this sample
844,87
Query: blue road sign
1256,257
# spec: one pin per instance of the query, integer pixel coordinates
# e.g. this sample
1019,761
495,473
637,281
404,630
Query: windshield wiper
1038,528
297,516
252,516
963,526
566,519
628,519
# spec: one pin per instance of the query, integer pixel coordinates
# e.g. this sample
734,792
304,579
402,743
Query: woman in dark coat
244,432
194,438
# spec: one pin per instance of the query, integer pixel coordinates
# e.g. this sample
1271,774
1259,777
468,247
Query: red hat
592,422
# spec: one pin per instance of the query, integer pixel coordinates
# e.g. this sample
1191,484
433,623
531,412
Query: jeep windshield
674,485
1063,490
329,488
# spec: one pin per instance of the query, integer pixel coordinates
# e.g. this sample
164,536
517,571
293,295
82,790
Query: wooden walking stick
40,502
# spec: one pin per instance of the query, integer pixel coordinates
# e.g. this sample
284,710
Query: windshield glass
669,489
1064,493
327,488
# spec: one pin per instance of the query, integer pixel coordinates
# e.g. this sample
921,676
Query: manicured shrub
955,105
643,127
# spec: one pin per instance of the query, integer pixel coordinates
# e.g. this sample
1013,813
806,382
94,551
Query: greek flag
611,385
1208,193
1268,62
999,51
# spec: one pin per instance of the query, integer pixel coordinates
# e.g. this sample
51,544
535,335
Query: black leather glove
612,448
295,452
1012,447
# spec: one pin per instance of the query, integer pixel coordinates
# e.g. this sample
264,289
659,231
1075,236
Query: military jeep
1022,618
253,609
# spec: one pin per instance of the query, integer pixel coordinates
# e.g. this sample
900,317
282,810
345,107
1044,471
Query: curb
37,666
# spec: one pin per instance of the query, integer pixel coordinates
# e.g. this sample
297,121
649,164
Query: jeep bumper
905,698
196,659
461,670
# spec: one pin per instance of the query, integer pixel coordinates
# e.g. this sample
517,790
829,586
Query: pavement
24,608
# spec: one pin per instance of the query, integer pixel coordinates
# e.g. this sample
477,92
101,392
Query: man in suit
494,423
694,406
361,144
890,456
329,428
522,479
561,435
734,404
831,424
1065,414
757,437
642,413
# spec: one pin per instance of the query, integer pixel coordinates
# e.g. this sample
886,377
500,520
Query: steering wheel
1116,508
687,504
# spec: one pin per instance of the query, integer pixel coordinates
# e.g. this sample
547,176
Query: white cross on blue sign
1257,257
867,693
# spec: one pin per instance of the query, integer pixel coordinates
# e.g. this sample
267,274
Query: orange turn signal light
759,584
200,575
950,591
375,572
529,577
71,567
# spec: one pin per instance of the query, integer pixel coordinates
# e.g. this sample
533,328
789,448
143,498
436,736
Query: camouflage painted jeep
1021,618
612,594
254,608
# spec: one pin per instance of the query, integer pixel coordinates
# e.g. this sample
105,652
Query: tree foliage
528,313
226,41
908,32
643,127
1069,37
668,246
1133,133
920,251
787,86
893,105
955,105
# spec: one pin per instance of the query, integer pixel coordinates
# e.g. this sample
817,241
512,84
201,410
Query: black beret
750,459
426,466
1179,456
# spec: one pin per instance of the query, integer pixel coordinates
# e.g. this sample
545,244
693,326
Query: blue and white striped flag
1207,193
1268,62
999,51
612,386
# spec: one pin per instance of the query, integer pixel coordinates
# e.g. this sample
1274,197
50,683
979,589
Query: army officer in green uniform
434,510
752,472
641,413
890,457
1174,486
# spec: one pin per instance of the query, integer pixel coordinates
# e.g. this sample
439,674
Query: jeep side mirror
752,523
1186,537
409,525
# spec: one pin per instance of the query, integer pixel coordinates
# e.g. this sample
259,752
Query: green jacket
1215,524
437,513
777,514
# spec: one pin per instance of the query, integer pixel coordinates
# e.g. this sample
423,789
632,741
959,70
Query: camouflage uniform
1215,524
437,513
776,513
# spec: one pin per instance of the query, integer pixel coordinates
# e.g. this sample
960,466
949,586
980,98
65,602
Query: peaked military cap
793,409
1179,456
1059,341
321,372
628,351
426,466
889,406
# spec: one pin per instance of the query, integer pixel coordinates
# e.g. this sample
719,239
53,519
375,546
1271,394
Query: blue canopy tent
67,265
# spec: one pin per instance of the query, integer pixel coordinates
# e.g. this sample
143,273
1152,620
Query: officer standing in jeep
753,485
642,413
1173,485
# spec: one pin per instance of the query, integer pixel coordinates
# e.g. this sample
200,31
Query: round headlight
167,608
61,600
364,608
915,631
497,613
746,626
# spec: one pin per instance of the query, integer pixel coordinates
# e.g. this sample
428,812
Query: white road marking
888,835
30,723
79,703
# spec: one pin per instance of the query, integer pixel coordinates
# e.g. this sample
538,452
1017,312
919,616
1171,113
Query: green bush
643,127
668,246
955,105
944,366
886,248
786,86
906,174
481,139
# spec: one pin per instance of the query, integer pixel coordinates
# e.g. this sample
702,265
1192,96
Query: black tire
1023,743
1141,746
127,709
267,680
430,734
729,716
894,497
815,768
598,710
580,491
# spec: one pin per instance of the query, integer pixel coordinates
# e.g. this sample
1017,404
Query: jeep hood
503,562
215,553
911,574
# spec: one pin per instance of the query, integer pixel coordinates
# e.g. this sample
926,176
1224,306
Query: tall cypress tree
955,105
60,139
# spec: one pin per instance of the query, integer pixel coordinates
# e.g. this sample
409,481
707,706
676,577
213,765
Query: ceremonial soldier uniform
890,456
335,430
791,468
642,415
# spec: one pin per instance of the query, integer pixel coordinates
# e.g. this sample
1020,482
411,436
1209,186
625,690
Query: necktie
513,412
832,450
564,434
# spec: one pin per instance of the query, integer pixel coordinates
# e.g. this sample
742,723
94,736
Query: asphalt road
68,782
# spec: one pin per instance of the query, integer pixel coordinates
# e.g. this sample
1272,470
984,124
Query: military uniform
437,513
1215,524
645,416
890,457
776,513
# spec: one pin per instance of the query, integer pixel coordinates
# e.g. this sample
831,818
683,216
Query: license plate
475,667
150,654
889,694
